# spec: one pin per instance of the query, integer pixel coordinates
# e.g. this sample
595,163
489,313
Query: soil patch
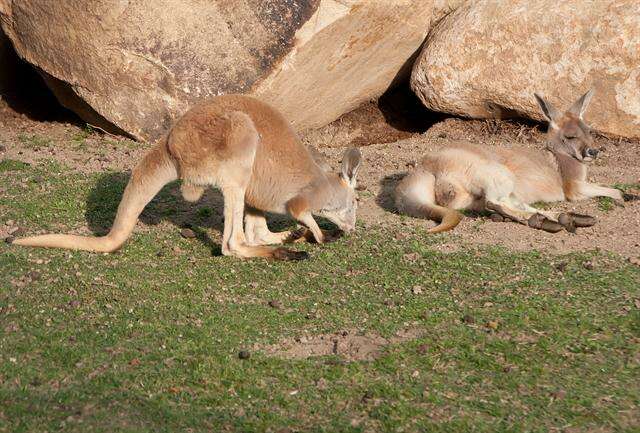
348,345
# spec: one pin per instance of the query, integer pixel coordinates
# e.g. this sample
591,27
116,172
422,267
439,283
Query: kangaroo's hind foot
541,222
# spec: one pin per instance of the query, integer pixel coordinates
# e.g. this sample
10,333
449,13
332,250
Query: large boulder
140,64
488,57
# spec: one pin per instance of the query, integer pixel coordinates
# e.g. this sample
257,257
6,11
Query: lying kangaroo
507,181
247,149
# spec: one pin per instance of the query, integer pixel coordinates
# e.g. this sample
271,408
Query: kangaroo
506,181
247,149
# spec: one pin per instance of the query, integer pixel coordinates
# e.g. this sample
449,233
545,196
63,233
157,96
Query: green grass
606,204
79,138
148,339
34,141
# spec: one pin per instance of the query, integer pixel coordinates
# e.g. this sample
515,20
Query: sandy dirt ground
390,148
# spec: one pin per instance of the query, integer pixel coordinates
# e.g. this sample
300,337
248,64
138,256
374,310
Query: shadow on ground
386,196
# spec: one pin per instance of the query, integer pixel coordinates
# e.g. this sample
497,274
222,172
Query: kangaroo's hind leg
233,239
235,171
499,197
498,186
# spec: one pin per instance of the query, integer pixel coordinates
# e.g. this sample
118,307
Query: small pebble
187,233
18,232
368,395
467,318
562,266
275,304
492,324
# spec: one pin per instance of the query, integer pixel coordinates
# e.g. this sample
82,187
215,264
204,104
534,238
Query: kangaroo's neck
319,191
567,166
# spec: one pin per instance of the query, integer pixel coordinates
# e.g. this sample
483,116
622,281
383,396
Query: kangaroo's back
282,164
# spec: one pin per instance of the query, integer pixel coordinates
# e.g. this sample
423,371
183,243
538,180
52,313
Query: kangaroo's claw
289,255
304,234
630,197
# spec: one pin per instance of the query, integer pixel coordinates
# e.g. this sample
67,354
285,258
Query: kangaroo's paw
541,222
498,208
289,255
630,197
619,203
576,219
304,234
300,234
332,235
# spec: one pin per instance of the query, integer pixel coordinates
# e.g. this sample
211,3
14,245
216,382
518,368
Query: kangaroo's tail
156,169
415,196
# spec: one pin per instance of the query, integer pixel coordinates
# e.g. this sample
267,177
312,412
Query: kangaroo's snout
348,228
590,152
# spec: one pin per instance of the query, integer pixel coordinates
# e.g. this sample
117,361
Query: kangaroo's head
341,203
568,133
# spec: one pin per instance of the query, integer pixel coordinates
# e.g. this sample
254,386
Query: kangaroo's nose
591,152
349,228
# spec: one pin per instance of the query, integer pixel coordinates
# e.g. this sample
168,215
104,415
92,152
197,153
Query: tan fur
465,176
248,150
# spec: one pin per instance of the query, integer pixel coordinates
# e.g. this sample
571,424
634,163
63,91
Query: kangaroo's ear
580,106
350,164
549,111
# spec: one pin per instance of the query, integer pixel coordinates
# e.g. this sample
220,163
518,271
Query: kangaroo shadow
167,205
386,196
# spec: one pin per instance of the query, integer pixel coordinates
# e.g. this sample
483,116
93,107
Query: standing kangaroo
507,181
247,149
